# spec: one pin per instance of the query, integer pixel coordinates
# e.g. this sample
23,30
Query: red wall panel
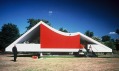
51,39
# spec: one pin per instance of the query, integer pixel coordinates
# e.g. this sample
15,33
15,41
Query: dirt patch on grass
58,64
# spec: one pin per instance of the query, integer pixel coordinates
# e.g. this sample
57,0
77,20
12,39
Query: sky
98,16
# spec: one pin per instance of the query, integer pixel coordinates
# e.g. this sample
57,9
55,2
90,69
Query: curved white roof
59,32
30,32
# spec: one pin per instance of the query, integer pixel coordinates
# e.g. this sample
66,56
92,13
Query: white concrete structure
23,47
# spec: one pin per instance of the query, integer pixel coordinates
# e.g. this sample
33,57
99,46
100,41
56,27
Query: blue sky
98,16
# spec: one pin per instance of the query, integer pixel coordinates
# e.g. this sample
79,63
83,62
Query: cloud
50,12
112,33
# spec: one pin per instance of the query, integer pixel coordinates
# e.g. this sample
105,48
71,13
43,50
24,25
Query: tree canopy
33,22
106,38
8,34
109,44
63,30
97,39
89,33
108,41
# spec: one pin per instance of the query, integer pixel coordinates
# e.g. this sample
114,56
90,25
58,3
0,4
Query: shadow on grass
25,55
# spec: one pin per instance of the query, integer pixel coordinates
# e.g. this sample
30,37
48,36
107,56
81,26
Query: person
14,50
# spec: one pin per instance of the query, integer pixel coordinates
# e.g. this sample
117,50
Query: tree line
106,39
10,32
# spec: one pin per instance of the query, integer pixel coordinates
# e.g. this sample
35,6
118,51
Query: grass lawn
55,63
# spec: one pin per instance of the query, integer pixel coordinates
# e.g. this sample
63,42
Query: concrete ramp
98,48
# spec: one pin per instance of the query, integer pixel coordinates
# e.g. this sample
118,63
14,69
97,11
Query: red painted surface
51,39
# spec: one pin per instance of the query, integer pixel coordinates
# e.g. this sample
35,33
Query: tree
108,41
106,38
117,31
33,22
110,44
97,39
117,40
1,41
117,44
88,33
63,30
9,33
112,40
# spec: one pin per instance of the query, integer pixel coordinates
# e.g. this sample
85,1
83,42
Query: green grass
72,56
59,56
